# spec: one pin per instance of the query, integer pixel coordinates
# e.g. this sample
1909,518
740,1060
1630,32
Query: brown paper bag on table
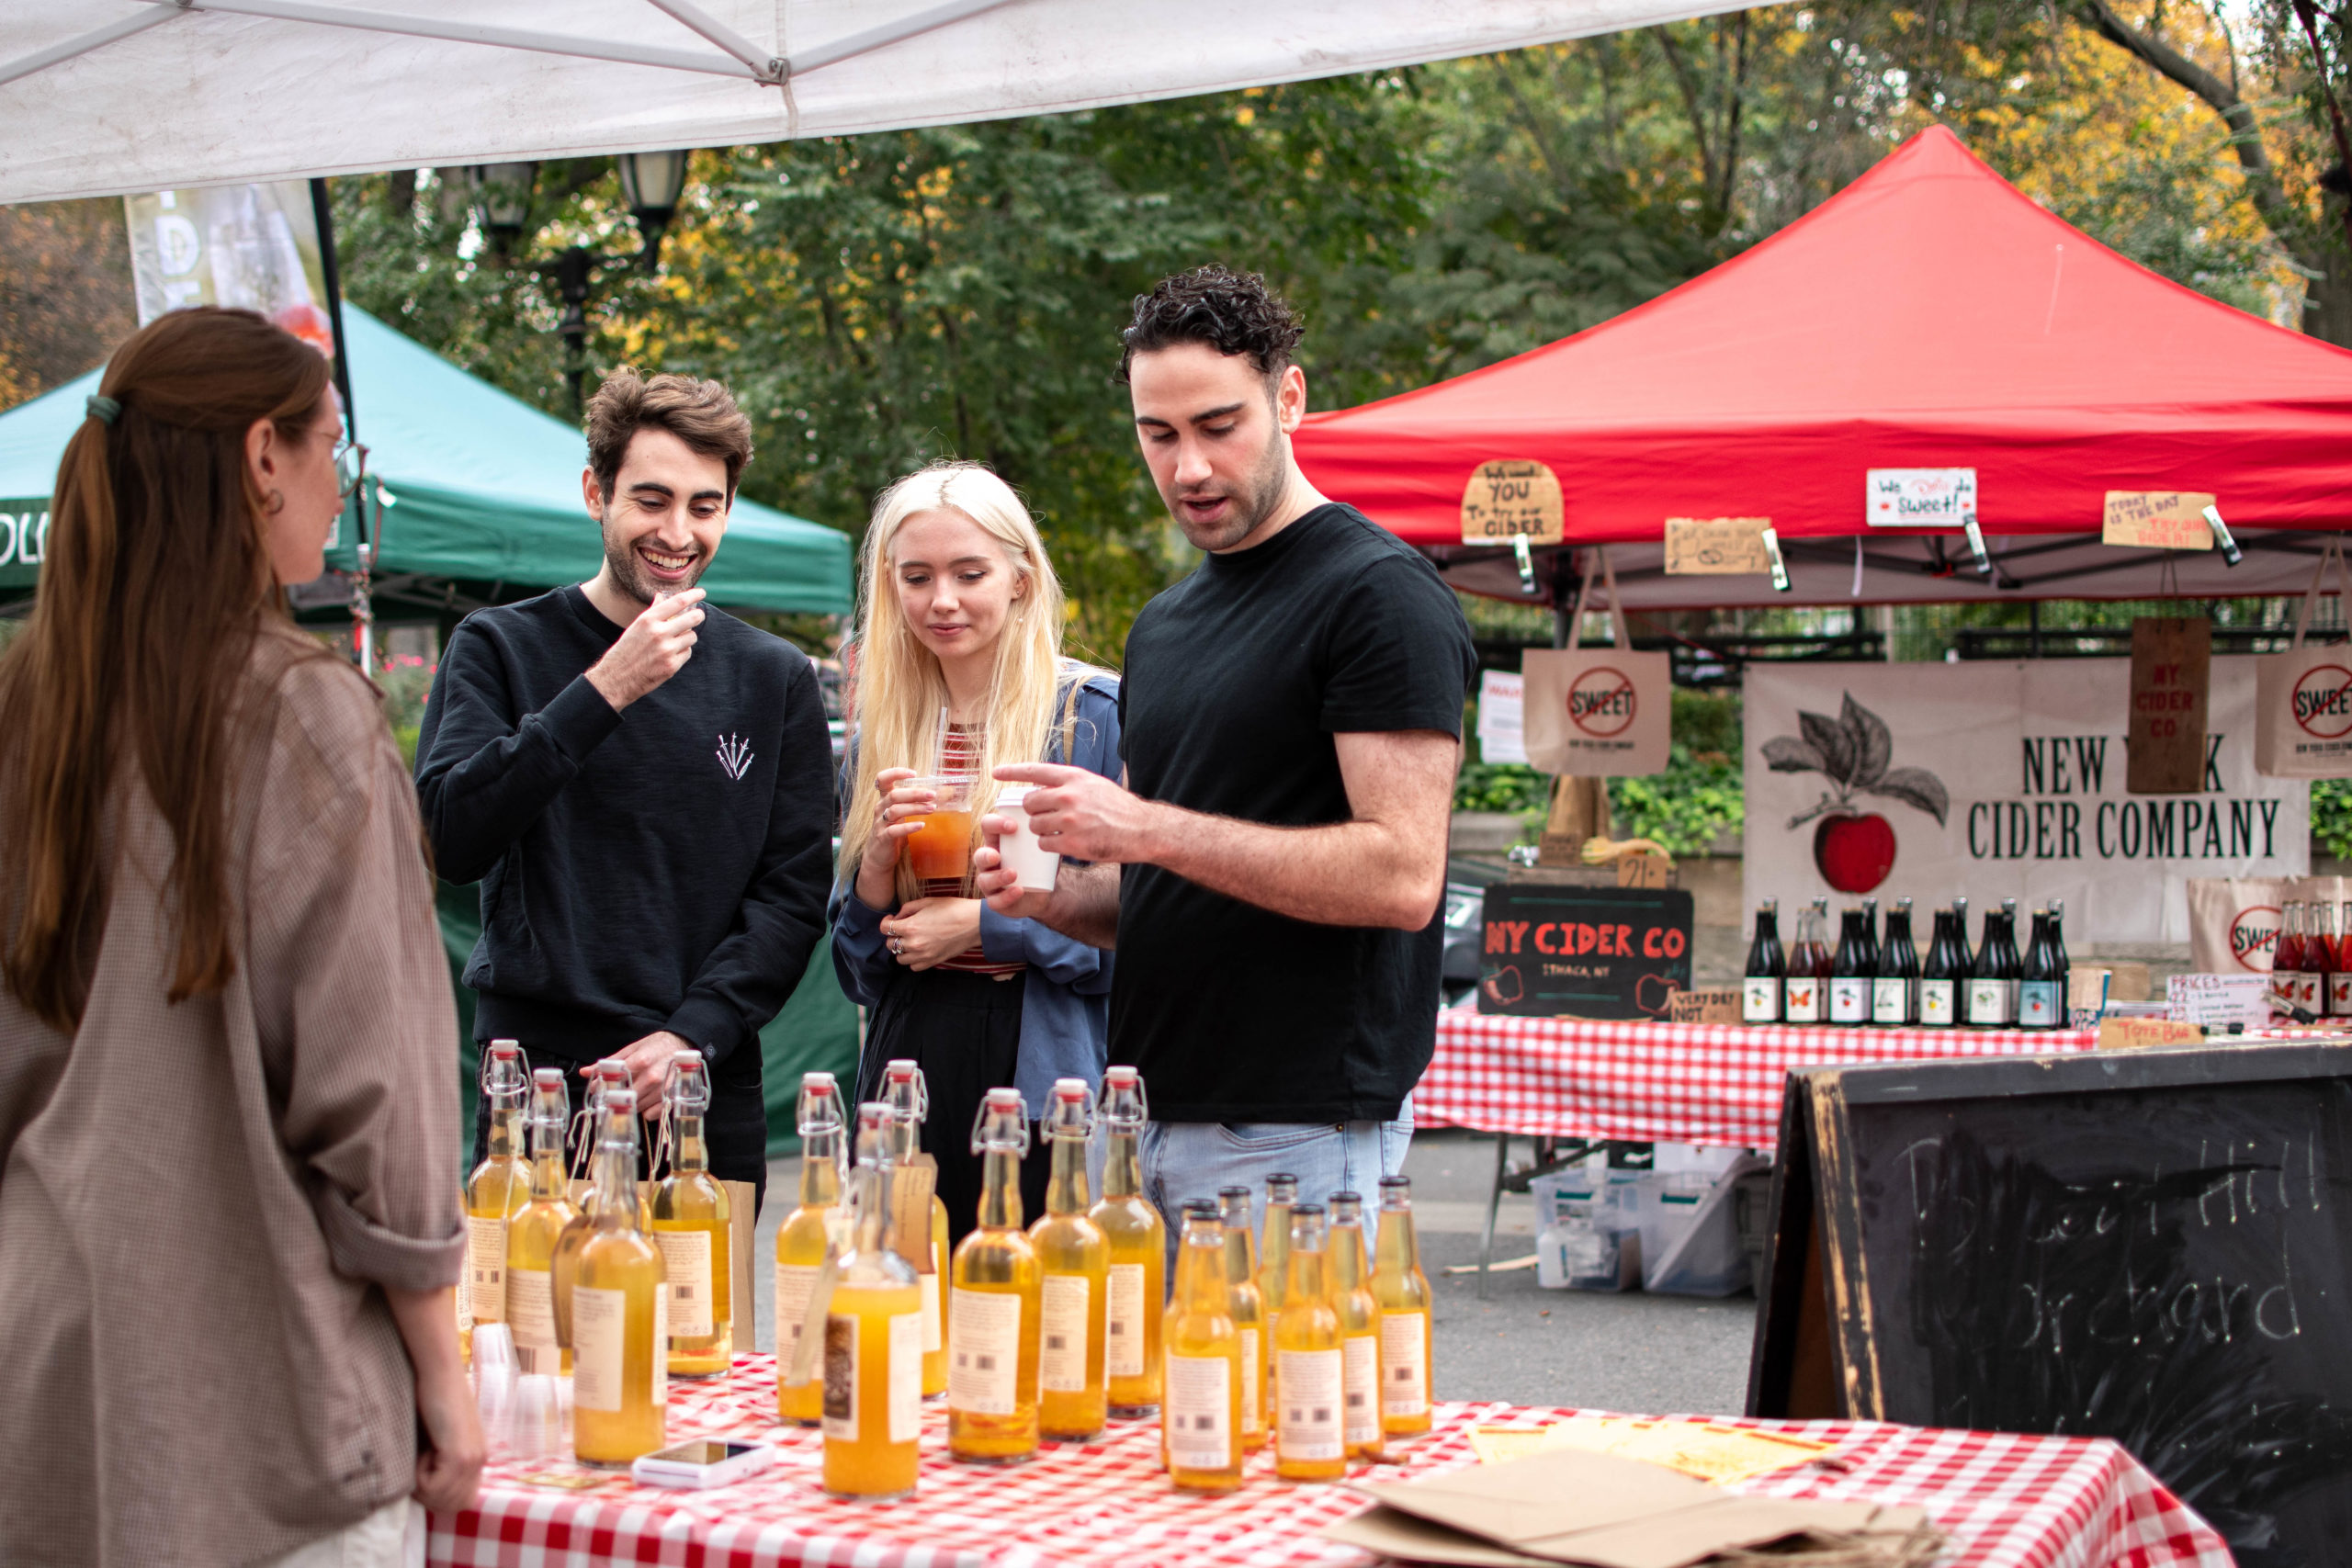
1603,713
2302,705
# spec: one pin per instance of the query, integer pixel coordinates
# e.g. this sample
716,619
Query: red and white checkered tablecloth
1689,1083
2006,1501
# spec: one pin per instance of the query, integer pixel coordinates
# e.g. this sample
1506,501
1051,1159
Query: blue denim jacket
1066,995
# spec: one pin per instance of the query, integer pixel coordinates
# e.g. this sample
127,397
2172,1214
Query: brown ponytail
155,585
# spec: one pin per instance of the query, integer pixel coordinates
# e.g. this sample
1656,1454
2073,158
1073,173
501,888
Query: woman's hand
925,931
449,1471
895,817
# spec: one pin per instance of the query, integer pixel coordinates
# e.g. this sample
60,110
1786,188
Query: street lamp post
650,182
502,200
572,272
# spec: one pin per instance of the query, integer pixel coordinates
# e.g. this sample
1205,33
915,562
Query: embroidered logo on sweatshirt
735,756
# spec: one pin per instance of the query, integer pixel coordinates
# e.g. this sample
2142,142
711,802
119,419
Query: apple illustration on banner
1853,849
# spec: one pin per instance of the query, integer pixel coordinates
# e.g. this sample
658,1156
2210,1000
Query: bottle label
1122,1324
688,1256
2309,992
1849,1001
2040,1004
599,1324
1404,1375
793,1283
2282,987
2339,993
1199,1413
1360,1380
486,1268
1936,998
1311,1383
906,1376
1759,999
934,1332
530,1311
1890,999
1989,1002
1061,1341
1804,999
983,1352
840,1377
1253,1340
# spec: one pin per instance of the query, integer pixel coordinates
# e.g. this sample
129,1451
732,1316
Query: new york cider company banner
1988,781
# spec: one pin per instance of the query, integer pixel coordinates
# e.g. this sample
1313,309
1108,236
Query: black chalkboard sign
1553,950
2153,1245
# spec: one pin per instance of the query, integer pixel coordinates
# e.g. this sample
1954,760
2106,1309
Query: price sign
2157,520
1518,498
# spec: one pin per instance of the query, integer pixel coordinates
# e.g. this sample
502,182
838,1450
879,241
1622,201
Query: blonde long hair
897,685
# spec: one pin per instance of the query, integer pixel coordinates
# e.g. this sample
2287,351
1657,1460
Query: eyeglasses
350,466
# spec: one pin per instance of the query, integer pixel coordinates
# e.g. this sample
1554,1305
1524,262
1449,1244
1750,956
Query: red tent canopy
1927,316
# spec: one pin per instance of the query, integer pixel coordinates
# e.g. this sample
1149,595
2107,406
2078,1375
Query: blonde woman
963,615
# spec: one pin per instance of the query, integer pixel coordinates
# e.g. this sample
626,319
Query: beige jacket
198,1202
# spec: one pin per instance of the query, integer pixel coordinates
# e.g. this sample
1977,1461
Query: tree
65,298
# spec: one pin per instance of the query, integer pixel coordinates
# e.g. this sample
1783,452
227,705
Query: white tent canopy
103,96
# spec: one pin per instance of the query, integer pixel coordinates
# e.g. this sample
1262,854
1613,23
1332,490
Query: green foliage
1501,786
2332,816
1685,808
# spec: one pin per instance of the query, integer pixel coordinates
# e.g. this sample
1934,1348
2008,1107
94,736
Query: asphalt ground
1636,1352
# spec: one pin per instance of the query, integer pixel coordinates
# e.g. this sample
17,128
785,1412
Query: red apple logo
1853,850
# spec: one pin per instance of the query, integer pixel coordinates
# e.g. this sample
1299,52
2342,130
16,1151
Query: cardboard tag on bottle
912,1181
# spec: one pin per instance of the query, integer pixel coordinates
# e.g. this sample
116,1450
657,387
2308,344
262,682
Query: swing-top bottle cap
1123,1100
904,1090
821,1104
875,1121
1003,1124
620,1102
551,1099
689,1085
506,1074
1070,1113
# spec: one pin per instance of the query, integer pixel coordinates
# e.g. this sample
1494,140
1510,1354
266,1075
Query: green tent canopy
475,487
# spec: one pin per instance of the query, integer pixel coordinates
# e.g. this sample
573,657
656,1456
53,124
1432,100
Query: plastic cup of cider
941,845
1032,865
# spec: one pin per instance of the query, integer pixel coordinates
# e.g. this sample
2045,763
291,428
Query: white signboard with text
1919,497
1988,781
1501,708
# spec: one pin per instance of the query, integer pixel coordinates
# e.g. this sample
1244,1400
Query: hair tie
103,408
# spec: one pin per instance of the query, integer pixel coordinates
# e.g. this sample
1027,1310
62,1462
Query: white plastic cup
1033,865
496,1375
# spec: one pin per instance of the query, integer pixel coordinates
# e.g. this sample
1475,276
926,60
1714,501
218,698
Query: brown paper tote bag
1602,712
2303,724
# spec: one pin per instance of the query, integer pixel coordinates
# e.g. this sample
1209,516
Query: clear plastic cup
941,845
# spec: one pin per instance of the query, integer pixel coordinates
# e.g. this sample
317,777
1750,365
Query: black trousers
964,1031
735,1127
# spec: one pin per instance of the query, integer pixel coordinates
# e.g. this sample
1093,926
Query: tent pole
362,614
75,48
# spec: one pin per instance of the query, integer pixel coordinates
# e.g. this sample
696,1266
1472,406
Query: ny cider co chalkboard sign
1569,952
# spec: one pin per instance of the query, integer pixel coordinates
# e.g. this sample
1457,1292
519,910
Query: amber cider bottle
1403,1293
873,1336
992,1313
1073,1262
620,1332
532,1234
1200,1421
801,1242
1351,1298
1310,1439
602,1077
909,1097
1137,1290
496,1191
690,1226
1247,1306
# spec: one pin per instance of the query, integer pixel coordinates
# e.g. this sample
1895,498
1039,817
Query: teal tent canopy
475,487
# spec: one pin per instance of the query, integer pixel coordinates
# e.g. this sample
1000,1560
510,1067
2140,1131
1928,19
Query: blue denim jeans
1192,1159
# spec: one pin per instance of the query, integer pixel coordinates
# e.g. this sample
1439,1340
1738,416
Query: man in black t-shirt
1292,716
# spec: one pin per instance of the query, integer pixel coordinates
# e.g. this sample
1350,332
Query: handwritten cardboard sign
2172,664
1716,546
2133,1034
1512,499
1713,1004
1919,497
2157,520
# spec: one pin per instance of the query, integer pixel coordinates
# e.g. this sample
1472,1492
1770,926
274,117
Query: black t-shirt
1237,680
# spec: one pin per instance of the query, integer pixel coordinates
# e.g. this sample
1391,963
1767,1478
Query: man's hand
648,1068
655,647
996,886
926,930
1083,815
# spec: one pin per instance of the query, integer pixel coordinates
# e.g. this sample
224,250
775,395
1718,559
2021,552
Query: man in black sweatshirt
642,783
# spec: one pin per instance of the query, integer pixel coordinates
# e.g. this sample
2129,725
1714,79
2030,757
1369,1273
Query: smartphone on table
701,1462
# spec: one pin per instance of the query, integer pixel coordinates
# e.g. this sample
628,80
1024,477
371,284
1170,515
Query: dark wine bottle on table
1894,990
1942,976
2041,998
1990,986
1767,969
1850,971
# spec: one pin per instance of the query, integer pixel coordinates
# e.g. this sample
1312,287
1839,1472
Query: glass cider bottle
1246,1305
1403,1293
1136,1290
497,1190
532,1234
1852,970
2287,955
1273,1247
1895,991
1766,968
690,1226
992,1311
873,1402
1201,1405
801,1241
602,1077
909,1097
1350,1264
1310,1441
620,1333
1073,1263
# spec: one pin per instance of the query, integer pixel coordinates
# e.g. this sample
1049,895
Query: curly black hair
1233,312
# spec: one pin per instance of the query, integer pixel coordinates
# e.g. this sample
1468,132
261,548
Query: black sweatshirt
661,867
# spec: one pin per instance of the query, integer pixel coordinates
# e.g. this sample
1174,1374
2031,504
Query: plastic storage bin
1590,1238
1691,1243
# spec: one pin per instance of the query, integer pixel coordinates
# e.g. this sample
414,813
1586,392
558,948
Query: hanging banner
2002,779
255,247
24,539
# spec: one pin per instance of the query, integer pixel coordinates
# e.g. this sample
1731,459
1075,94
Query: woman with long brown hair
229,1212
